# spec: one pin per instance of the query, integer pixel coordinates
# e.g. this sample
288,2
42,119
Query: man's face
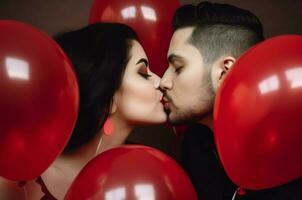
189,94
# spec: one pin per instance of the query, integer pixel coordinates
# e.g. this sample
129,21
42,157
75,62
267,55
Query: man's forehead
182,35
180,40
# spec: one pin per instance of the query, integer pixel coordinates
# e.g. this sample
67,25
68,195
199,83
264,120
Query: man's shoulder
289,191
200,135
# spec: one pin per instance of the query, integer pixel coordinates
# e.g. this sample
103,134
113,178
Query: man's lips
166,102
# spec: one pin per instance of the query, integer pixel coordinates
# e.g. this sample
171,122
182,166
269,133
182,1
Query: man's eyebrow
173,56
143,60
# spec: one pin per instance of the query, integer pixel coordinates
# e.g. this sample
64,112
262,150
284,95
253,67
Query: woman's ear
113,106
220,70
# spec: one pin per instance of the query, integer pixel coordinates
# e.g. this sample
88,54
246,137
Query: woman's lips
162,101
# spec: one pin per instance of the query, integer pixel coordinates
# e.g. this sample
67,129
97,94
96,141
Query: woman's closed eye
143,71
145,75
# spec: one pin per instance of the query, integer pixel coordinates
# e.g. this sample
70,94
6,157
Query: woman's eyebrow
143,60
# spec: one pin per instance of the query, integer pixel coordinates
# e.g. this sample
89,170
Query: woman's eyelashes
143,69
144,72
146,76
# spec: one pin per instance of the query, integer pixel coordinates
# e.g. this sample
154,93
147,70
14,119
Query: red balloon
258,112
131,172
151,19
38,101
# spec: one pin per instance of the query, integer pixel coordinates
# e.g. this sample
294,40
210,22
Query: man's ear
220,70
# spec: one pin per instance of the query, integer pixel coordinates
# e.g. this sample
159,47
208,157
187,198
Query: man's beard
189,115
197,112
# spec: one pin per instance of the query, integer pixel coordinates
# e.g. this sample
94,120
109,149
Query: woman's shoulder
58,177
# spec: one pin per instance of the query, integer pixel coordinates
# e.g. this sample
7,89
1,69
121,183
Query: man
207,40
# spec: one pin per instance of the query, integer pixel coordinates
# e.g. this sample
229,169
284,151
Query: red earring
108,127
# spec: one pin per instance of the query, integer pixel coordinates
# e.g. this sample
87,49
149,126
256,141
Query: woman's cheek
138,101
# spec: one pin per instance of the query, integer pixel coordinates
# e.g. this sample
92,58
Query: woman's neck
101,142
67,166
116,136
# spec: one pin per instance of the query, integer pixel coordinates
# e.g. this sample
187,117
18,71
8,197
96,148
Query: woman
117,89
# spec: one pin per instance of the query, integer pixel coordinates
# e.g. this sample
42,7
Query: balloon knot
241,191
22,183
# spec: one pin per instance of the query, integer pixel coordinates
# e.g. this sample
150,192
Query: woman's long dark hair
99,53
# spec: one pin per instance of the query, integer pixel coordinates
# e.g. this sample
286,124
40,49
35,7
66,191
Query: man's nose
166,82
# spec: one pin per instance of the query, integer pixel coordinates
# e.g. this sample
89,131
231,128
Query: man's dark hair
99,54
219,29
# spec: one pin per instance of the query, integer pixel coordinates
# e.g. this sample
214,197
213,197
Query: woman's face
138,100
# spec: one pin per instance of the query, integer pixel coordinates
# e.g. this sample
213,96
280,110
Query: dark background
277,16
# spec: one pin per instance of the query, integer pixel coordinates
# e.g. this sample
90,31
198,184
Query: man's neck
207,120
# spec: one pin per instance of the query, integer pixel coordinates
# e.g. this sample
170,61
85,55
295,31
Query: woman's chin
159,118
155,118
